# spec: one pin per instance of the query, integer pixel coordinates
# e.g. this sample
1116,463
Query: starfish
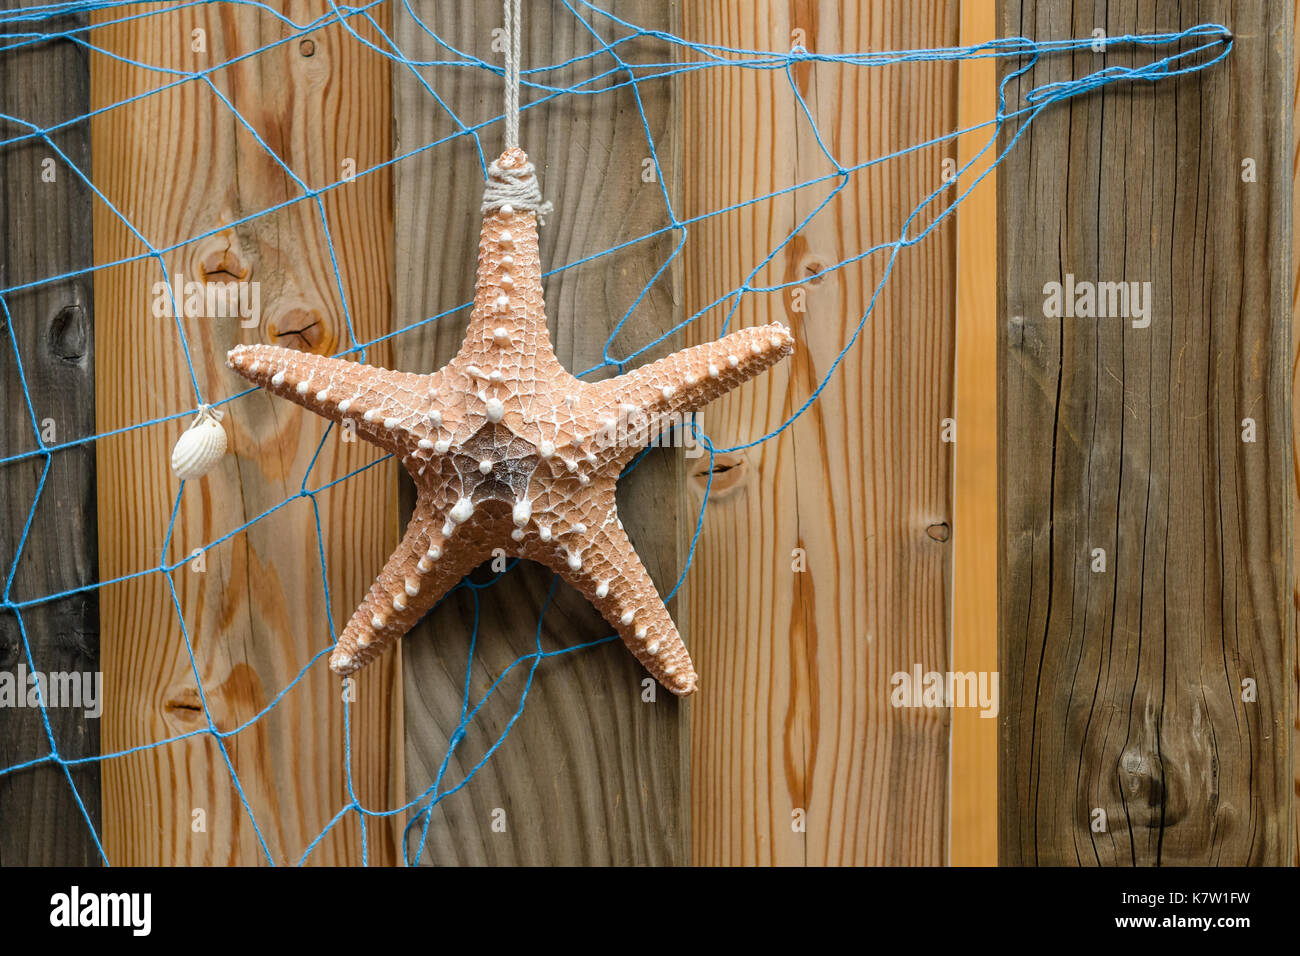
509,451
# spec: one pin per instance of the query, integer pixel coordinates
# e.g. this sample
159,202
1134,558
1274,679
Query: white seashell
200,447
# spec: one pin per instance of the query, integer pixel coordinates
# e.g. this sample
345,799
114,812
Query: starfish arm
419,573
609,573
639,402
383,403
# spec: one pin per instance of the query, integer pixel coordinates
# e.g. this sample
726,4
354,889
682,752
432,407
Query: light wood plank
178,164
591,773
794,711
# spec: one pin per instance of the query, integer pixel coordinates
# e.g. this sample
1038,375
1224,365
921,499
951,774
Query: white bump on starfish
399,602
579,528
571,465
503,303
461,511
342,662
495,410
691,379
412,587
501,335
777,341
517,534
448,528
571,398
641,633
544,532
370,415
575,560
546,449
667,391
435,418
322,395
713,371
523,511
591,457
344,406
391,423
442,446
474,371
507,281
627,618
602,589
506,240
434,552
507,262
424,565
377,621
733,361
425,444
485,466
670,670
278,378
757,348
496,376
652,648
584,480
302,388
507,209
254,368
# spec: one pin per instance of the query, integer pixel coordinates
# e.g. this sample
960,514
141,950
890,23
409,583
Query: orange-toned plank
974,793
178,164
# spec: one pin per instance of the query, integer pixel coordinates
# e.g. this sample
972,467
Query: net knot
512,181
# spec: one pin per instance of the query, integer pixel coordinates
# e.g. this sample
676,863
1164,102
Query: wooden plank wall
797,755
592,773
1123,689
51,326
176,164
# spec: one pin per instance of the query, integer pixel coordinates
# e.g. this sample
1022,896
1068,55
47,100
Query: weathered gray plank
44,231
1123,688
590,774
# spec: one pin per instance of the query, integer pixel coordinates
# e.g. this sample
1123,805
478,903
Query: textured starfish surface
510,451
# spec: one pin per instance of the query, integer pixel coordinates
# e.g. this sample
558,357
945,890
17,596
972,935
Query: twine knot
512,181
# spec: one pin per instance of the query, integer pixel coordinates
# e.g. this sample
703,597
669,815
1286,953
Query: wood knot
724,476
219,260
307,47
1142,780
183,708
302,328
939,531
814,271
69,335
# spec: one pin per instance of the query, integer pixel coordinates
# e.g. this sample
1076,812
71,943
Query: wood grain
794,711
591,773
1123,689
1295,416
973,787
51,328
178,164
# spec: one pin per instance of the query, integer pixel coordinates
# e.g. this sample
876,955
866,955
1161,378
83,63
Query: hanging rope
513,47
513,185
